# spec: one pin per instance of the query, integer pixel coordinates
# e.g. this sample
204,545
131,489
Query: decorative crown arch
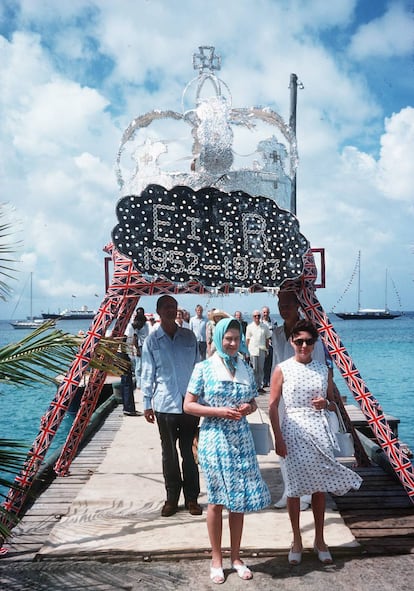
213,174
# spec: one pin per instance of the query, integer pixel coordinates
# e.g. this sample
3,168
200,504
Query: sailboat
30,322
369,313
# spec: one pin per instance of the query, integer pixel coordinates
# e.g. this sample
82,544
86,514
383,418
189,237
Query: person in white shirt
141,331
198,325
152,322
258,336
180,319
131,352
267,370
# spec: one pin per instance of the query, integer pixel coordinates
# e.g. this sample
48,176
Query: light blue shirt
167,365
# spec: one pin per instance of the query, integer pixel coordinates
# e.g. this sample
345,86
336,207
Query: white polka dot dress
310,462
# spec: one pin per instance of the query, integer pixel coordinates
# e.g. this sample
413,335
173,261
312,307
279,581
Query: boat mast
31,295
386,290
359,281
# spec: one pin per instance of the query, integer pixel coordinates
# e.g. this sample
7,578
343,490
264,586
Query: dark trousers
202,349
127,392
267,370
181,428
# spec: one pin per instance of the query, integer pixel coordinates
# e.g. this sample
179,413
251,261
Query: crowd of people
213,367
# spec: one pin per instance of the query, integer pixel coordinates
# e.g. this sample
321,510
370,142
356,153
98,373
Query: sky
73,75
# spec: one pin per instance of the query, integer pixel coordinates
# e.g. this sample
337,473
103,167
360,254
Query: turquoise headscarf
219,331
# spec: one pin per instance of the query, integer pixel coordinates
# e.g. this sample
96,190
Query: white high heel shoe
323,555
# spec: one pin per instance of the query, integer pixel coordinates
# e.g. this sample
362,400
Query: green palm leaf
6,268
51,351
39,355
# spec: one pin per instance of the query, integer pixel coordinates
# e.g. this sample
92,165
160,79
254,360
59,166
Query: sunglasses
300,342
256,315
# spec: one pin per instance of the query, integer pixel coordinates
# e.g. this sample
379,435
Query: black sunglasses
299,342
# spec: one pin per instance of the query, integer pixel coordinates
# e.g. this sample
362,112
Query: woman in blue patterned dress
222,389
303,439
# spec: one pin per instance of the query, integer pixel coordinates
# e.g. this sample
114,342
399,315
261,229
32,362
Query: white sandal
294,558
243,571
324,555
217,574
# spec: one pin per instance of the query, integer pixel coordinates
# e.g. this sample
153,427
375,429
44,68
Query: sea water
22,406
382,350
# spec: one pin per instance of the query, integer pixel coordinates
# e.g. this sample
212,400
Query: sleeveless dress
226,452
310,462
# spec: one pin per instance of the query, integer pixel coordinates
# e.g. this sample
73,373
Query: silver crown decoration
208,197
210,144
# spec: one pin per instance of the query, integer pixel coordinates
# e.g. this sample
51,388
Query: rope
395,290
354,272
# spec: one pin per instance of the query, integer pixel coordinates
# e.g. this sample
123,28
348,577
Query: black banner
209,236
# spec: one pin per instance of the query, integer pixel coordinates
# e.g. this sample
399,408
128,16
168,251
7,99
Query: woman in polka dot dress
222,389
303,439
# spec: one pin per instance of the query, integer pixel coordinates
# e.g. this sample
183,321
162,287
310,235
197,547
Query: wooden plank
358,418
385,525
387,546
375,503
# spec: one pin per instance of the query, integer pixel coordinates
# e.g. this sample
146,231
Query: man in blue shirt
169,354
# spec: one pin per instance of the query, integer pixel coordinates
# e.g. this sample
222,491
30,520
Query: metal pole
292,124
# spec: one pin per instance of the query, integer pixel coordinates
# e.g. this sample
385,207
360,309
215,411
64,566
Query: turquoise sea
382,350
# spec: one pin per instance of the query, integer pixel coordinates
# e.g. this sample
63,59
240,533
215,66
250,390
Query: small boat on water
368,313
31,321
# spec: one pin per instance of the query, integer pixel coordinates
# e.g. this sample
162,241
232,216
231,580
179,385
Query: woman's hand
246,408
319,403
280,447
226,412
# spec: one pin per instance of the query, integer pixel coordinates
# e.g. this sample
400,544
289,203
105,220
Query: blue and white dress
310,462
226,450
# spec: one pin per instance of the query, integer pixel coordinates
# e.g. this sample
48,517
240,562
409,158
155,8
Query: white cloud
388,36
63,111
57,113
396,171
23,64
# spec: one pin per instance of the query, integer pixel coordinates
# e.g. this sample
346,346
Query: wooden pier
380,515
55,496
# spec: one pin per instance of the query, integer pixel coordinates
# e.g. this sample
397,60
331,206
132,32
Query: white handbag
344,440
262,436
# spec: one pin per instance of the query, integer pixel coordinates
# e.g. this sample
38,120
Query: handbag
345,444
333,421
262,436
344,441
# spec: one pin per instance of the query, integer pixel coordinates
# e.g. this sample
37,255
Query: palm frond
110,356
6,249
44,353
11,459
40,355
